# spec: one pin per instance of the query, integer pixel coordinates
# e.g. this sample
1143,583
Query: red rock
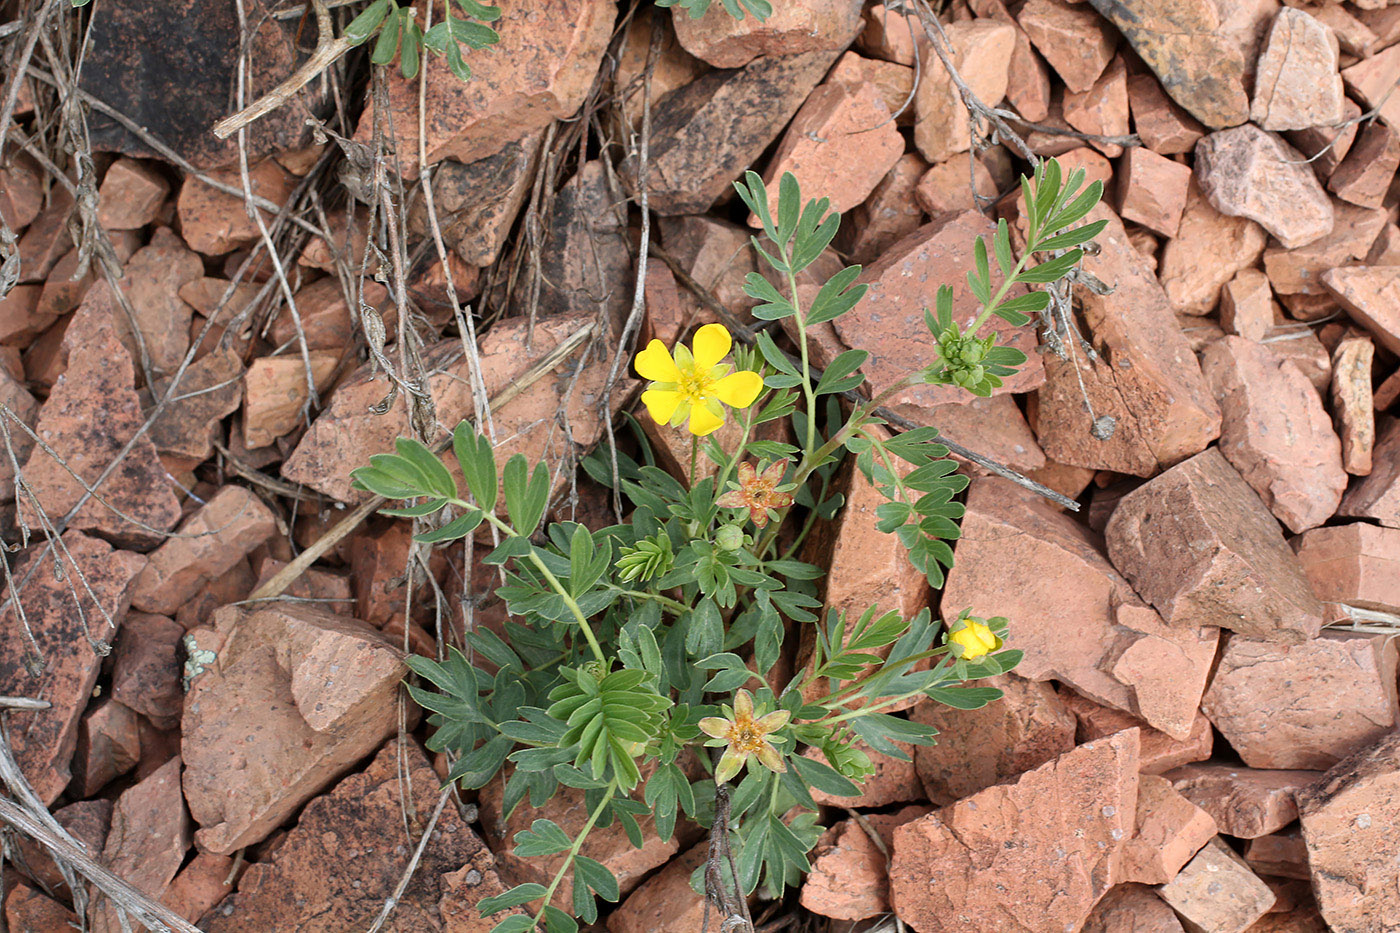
20,320
29,911
1170,830
60,664
1275,432
1377,496
1327,146
1152,190
1102,110
948,186
1297,85
841,142
347,245
1385,251
1353,564
1132,908
1207,251
324,316
1057,139
215,222
63,292
1158,752
1370,81
1353,413
673,68
894,82
47,239
109,745
334,870
21,405
719,39
1348,825
131,195
996,422
153,278
1077,43
207,545
1027,75
148,840
201,884
707,133
1199,545
889,322
608,845
1303,706
232,587
888,215
1199,64
1146,377
1282,854
21,191
1217,891
1246,172
1163,126
379,558
1076,619
1246,803
1354,36
848,880
187,427
146,668
87,821
1027,727
1387,392
275,393
665,902
296,696
890,36
539,71
1368,294
1069,481
1299,271
1247,307
718,255
1365,175
1297,344
981,52
958,868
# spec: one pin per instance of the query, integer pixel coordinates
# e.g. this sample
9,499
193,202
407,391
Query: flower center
693,385
747,737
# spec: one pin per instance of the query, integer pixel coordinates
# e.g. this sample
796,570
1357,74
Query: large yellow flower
745,737
975,639
695,384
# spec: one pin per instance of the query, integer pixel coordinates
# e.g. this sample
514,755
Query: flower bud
729,537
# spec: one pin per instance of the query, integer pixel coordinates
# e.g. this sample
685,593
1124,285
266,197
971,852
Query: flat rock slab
1297,84
722,41
148,840
1377,496
1217,892
1246,802
1357,564
1247,172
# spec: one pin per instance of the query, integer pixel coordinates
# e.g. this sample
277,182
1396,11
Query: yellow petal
661,404
729,764
743,706
768,757
774,721
655,363
738,390
702,420
711,344
715,727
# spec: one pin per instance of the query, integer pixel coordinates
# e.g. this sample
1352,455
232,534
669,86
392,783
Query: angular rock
958,868
1348,825
1275,431
275,393
215,222
323,317
47,239
294,697
889,321
22,191
146,668
1078,621
1208,250
31,911
849,879
1303,706
996,422
1370,81
888,215
109,745
1183,43
1369,295
673,68
148,840
1103,109
15,397
1366,173
1158,752
705,134
1246,172
1246,803
1170,829
477,202
539,71
1247,306
1198,544
1217,892
949,186
894,82
20,320
1297,84
1076,43
1146,377
1300,271
1027,727
1160,123
201,884
130,196
1132,908
1027,75
1353,412
1282,854
186,428
1357,564
981,52
60,664
154,276
1152,190
718,255
665,902
334,869
1377,496
87,821
719,39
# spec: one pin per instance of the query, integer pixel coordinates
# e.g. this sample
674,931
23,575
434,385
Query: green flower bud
729,537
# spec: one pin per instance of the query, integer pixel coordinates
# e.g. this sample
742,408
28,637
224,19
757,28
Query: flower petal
711,344
655,363
661,404
729,764
743,706
702,420
774,721
738,390
734,499
746,473
715,727
768,757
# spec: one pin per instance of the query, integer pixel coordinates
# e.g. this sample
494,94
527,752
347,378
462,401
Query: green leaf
789,207
1002,242
478,462
807,249
823,777
597,876
964,697
1075,237
837,377
772,305
526,499
412,45
439,481
456,64
836,297
474,35
480,11
364,25
774,356
515,897
459,527
415,511
755,194
384,484
705,633
436,38
515,923
1052,270
544,837
556,921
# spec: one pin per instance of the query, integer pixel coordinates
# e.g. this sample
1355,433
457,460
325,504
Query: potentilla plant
639,663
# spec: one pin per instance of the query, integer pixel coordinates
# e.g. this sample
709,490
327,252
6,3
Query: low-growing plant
639,661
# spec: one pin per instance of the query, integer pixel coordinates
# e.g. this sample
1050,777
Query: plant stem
674,605
801,321
694,455
578,844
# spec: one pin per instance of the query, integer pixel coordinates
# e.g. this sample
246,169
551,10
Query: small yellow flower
695,385
975,639
745,737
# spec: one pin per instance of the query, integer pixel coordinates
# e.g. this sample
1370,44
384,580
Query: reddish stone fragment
665,902
1303,706
1027,727
1299,271
672,68
890,36
1199,545
1077,43
1170,829
1349,821
949,186
1102,110
201,884
1217,892
215,222
87,821
1327,146
960,868
275,393
1297,85
1357,564
187,426
725,42
131,195
888,215
146,668
47,239
1370,82
895,779
31,911
1163,126
148,840
981,52
109,745
1282,854
21,191
894,82
1152,190
295,696
1132,908
1246,172
154,276
1377,496
1276,432
1353,413
1369,295
1365,175
1207,251
1245,802
1158,752
1247,307
848,880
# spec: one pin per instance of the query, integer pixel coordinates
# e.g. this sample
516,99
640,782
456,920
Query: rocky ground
1203,733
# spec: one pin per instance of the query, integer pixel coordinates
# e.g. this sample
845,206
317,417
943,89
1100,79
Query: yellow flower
695,384
975,639
745,737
